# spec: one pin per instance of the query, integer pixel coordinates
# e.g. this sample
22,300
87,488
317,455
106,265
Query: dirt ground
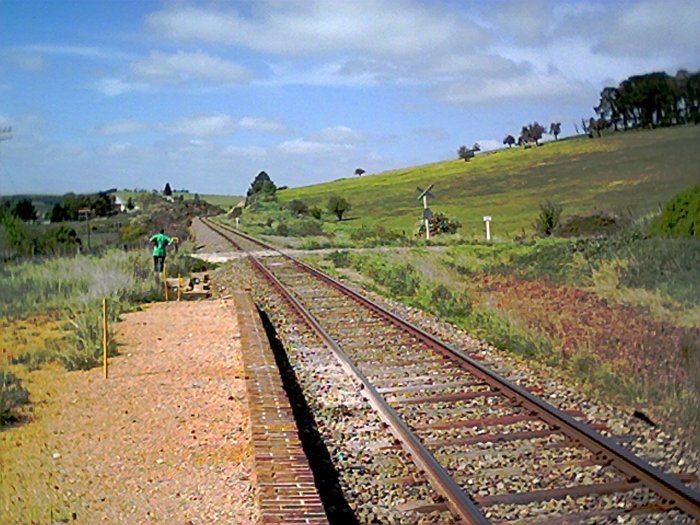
164,440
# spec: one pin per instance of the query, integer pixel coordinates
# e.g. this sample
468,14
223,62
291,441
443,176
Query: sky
205,95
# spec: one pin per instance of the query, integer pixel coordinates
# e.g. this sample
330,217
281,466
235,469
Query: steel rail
673,493
456,499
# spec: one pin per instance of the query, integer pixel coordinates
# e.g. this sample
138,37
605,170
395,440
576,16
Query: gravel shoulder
164,440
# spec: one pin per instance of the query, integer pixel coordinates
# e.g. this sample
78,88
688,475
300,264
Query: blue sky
204,95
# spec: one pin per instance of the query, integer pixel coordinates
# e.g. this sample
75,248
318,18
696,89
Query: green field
225,201
626,173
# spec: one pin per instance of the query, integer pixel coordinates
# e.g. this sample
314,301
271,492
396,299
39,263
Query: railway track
493,450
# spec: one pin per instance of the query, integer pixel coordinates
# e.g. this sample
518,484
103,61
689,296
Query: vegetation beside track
51,313
619,315
580,255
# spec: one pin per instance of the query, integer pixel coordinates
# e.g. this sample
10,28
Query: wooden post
105,338
179,287
165,280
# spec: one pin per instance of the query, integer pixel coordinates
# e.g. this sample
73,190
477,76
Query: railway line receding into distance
425,432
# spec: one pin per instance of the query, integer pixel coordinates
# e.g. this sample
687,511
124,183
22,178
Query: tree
338,206
509,140
532,133
359,172
549,218
59,213
555,129
167,191
24,210
466,153
262,186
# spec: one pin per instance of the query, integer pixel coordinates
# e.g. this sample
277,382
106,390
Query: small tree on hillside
555,129
359,172
262,186
167,191
509,140
531,133
338,206
466,153
549,218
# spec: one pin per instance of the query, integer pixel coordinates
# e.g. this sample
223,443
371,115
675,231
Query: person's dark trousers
158,261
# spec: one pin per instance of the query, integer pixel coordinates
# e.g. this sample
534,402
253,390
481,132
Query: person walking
161,241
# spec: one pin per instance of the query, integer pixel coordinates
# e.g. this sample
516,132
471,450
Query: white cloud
312,148
339,135
117,86
88,52
312,27
652,27
121,127
182,67
262,125
204,126
532,86
28,61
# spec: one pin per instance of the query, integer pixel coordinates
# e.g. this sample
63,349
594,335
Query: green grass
628,173
225,201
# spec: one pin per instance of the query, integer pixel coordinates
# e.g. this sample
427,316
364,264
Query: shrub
298,207
681,216
282,230
305,228
440,223
33,359
401,279
358,234
549,218
340,259
316,213
12,396
594,224
446,303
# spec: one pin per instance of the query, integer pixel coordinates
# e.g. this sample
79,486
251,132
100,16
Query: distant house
119,205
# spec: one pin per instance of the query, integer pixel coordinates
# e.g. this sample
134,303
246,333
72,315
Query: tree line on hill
640,101
68,208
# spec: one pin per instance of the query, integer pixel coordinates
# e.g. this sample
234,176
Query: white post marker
427,214
427,220
487,222
238,222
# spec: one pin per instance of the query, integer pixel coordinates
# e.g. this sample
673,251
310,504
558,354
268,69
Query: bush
282,230
400,280
12,396
448,304
549,218
305,228
440,223
340,259
298,207
681,216
596,224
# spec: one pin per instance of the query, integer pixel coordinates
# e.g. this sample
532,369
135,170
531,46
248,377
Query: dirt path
164,440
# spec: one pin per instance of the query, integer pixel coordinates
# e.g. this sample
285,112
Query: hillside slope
628,173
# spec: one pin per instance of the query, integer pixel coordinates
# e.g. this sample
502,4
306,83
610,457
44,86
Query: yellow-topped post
105,338
165,280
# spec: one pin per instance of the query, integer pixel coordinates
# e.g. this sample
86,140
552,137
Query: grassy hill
627,173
